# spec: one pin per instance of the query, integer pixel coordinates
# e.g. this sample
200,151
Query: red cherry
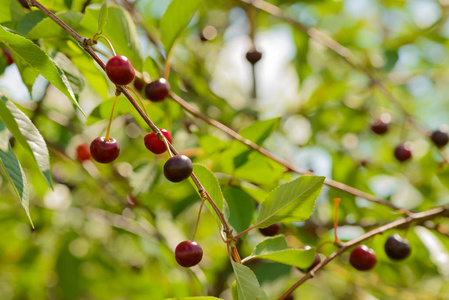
363,258
104,151
178,168
139,83
157,90
119,70
380,124
188,254
271,230
403,152
83,152
153,143
8,57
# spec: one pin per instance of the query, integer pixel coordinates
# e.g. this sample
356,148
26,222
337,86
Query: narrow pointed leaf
293,201
175,19
247,286
38,60
16,176
27,135
276,249
103,17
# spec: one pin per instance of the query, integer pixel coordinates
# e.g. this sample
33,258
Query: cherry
380,124
178,168
363,258
188,254
440,138
83,152
153,143
253,56
397,248
8,57
119,70
24,3
104,151
157,90
271,230
289,297
403,152
139,84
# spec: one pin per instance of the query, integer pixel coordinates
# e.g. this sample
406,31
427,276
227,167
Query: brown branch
84,43
412,217
329,182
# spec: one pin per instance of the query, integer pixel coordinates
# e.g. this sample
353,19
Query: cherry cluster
403,152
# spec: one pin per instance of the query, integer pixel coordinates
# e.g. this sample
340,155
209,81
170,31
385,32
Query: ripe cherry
153,143
83,152
403,152
188,254
363,258
119,70
157,90
440,138
397,248
271,230
8,57
139,84
253,56
104,151
178,168
380,124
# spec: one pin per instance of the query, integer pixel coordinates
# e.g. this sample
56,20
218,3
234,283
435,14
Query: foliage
109,231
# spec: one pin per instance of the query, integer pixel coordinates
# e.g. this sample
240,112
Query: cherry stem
235,252
167,65
110,119
107,41
198,218
337,203
138,98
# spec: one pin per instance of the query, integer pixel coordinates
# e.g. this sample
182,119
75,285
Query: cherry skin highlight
119,70
362,258
83,153
440,138
155,145
157,90
403,152
271,230
188,254
104,151
397,248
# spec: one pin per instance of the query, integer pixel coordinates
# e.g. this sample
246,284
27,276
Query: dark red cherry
397,248
24,3
139,84
188,254
104,151
157,90
289,297
440,138
119,70
380,124
253,56
8,57
178,168
153,143
403,152
271,230
363,258
83,152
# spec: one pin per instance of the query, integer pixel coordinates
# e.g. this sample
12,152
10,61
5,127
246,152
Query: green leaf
17,177
151,67
5,12
143,178
259,169
293,201
240,208
27,135
195,298
276,249
248,287
4,137
38,60
28,73
210,183
103,17
47,28
258,132
175,19
119,29
443,175
29,21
